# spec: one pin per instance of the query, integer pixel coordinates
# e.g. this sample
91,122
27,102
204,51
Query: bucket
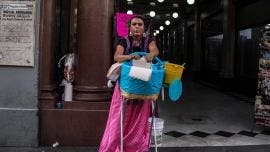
158,125
172,72
68,92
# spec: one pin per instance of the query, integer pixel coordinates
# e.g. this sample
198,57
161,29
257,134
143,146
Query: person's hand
149,57
134,56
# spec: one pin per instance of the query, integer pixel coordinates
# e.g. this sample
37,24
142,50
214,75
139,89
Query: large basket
132,88
172,72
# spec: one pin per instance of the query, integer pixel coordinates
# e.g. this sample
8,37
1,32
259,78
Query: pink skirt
136,127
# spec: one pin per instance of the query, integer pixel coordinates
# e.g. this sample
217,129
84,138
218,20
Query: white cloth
141,69
114,71
140,73
141,63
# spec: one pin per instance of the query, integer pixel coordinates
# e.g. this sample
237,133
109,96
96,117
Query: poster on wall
17,30
262,103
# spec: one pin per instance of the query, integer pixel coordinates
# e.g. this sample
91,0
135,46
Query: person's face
137,27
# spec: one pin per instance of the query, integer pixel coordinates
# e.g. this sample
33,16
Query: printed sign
17,32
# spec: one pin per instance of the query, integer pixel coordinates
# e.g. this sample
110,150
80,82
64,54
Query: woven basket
132,88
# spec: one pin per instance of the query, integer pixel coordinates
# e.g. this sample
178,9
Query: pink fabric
136,128
121,22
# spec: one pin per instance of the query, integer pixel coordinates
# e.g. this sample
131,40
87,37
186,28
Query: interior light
157,31
161,28
167,22
129,12
175,15
152,3
155,34
152,13
190,2
175,5
160,1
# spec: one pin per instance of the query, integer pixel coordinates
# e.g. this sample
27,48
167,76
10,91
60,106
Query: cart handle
142,54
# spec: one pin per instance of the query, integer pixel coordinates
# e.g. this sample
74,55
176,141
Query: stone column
47,48
184,39
94,50
196,65
227,66
94,18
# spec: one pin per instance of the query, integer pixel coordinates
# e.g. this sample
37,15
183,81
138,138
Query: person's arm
153,51
119,57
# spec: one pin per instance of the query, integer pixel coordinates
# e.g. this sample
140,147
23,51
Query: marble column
47,47
94,50
75,124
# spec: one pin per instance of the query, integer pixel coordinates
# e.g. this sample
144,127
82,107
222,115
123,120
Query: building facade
214,41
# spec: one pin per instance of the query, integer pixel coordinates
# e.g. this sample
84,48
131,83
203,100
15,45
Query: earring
130,34
144,34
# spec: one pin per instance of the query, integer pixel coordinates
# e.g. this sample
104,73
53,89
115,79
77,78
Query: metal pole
121,119
153,123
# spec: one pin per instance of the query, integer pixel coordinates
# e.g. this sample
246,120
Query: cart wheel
175,90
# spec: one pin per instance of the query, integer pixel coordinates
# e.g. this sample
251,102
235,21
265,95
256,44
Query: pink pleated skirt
136,127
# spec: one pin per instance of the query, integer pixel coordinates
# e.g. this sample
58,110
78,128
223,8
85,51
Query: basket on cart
132,88
172,72
173,75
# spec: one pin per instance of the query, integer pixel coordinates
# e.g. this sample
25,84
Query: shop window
213,53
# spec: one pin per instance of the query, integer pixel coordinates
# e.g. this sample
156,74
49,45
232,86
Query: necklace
136,43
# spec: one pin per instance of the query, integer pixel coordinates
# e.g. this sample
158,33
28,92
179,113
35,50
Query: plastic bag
69,73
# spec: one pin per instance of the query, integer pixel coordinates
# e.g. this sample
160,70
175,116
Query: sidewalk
260,148
48,149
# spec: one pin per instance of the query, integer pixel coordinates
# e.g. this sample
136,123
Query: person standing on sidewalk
136,127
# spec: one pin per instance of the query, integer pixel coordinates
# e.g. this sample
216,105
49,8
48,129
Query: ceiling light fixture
129,12
152,3
161,28
175,15
152,13
130,3
157,31
160,1
175,5
167,22
190,2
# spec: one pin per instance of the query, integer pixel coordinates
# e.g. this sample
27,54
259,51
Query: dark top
130,48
